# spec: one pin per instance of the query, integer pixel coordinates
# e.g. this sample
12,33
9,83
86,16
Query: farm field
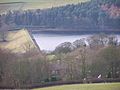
102,86
42,4
18,41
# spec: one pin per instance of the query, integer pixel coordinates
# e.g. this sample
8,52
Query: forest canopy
94,14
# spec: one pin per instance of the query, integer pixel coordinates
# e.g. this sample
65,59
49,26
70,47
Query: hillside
94,14
41,4
19,42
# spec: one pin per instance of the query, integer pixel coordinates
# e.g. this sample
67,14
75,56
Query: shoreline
75,32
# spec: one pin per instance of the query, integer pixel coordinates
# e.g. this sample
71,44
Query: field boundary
58,83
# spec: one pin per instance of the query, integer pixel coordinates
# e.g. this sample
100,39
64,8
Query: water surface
48,41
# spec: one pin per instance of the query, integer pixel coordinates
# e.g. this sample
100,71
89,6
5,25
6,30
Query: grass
33,4
51,57
51,3
102,86
18,41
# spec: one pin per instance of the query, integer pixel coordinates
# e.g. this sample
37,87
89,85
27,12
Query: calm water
48,41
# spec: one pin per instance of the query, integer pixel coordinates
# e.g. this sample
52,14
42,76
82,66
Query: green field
103,86
35,4
41,4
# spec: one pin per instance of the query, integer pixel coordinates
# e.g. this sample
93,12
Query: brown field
18,41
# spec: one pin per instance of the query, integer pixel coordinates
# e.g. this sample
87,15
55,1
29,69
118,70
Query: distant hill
94,14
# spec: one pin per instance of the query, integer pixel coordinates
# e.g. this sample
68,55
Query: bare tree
83,58
113,40
3,29
97,41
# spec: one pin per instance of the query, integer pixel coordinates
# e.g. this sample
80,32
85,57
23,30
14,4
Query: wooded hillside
94,14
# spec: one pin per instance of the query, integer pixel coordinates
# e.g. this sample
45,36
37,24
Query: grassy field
34,4
102,86
18,41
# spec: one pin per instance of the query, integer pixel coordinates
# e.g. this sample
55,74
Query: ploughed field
100,86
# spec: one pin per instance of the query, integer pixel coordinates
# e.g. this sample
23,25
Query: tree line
94,14
82,63
99,57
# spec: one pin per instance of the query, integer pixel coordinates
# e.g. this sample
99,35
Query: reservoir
49,40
